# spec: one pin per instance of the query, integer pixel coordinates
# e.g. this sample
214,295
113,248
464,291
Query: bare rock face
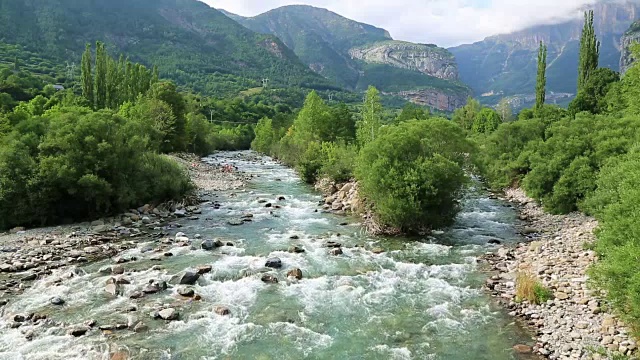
435,98
427,59
632,36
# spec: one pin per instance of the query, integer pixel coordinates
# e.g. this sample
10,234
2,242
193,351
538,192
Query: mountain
505,65
356,55
191,43
630,37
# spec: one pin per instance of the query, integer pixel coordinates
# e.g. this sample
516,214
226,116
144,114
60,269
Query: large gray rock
169,314
185,278
274,263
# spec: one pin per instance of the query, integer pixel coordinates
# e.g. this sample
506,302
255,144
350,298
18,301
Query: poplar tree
87,76
589,51
101,76
541,81
368,126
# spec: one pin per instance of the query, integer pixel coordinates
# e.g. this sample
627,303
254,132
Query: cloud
443,22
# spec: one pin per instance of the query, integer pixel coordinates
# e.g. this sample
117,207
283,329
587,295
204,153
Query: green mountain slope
190,42
505,65
318,36
352,54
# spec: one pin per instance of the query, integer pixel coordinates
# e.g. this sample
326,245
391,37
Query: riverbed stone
168,314
211,244
58,301
295,273
269,278
222,310
336,251
296,249
185,278
274,263
186,292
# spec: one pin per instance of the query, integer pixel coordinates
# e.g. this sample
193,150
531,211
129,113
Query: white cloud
443,22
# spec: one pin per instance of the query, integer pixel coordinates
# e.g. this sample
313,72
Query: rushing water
421,299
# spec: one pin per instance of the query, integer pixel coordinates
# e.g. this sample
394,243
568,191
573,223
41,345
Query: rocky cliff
632,36
505,65
427,59
436,98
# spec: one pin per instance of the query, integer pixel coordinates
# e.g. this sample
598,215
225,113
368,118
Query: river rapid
419,299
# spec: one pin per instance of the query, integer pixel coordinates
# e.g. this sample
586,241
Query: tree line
584,158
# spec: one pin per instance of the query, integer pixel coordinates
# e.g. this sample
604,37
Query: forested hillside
357,55
191,43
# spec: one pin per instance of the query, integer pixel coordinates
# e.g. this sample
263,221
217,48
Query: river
420,299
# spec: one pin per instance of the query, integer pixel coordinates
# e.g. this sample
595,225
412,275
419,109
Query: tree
313,120
589,51
593,97
504,110
371,119
264,136
168,93
466,115
101,76
343,125
541,81
87,75
412,174
486,121
412,111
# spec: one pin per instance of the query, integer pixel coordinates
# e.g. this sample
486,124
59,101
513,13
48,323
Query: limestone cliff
427,59
436,98
632,36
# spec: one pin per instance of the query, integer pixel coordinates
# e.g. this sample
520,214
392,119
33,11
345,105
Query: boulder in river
117,269
204,269
57,301
221,310
112,289
332,244
235,222
274,263
186,292
336,251
296,249
78,331
169,314
296,273
185,278
211,244
269,279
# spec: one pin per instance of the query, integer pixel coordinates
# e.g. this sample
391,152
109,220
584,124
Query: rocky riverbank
575,323
28,255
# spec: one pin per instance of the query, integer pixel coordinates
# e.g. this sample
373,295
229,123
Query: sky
442,22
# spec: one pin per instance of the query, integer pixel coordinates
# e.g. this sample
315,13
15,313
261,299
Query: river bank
576,323
27,255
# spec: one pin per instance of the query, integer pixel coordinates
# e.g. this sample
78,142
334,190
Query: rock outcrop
631,37
435,98
427,59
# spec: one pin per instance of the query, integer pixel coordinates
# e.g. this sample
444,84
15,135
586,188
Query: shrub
530,289
412,173
338,161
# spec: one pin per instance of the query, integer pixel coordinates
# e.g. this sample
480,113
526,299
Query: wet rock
336,251
78,331
268,205
522,349
119,355
167,254
221,310
203,269
180,213
112,289
121,280
332,244
57,301
494,242
529,231
235,222
186,292
377,250
274,263
100,229
294,237
211,244
19,318
185,278
3,302
296,249
296,273
168,314
140,327
281,198
29,277
117,269
269,279
136,295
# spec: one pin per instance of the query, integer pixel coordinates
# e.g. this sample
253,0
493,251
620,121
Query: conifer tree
101,76
541,81
87,76
589,51
371,120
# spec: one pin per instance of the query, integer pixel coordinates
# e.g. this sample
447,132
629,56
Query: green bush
412,174
338,161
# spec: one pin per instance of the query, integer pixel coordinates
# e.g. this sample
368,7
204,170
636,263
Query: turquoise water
420,299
